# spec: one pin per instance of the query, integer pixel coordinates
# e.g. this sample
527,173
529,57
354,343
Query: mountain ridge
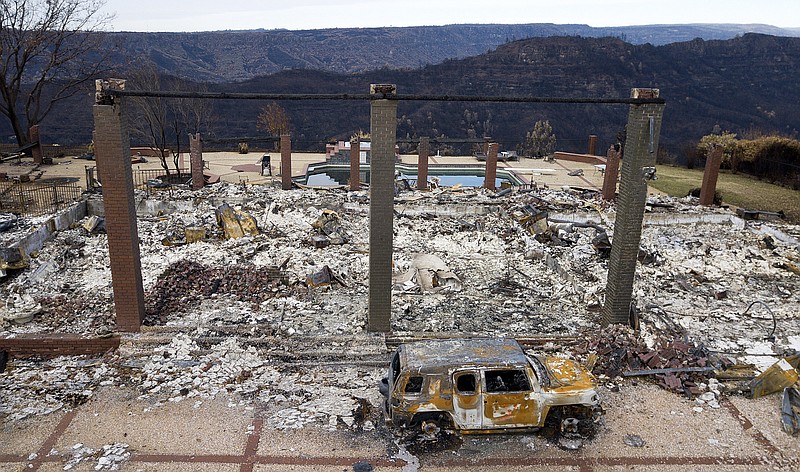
744,85
231,55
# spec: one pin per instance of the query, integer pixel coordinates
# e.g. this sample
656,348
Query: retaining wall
35,240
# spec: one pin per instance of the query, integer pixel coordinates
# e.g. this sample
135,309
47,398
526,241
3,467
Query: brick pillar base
383,129
710,175
36,151
113,155
611,175
286,162
422,164
491,167
355,164
641,144
196,160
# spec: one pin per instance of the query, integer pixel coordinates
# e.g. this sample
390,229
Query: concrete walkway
226,435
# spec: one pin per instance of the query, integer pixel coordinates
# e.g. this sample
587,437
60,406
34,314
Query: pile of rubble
32,387
522,264
184,284
288,397
66,288
677,365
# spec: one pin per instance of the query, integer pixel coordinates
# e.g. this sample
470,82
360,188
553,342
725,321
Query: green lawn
736,189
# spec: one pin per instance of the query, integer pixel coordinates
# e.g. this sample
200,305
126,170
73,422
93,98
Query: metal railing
34,199
155,179
143,179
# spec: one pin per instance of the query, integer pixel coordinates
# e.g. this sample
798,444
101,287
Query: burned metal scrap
328,230
12,259
429,273
19,309
324,276
780,375
790,410
236,223
533,219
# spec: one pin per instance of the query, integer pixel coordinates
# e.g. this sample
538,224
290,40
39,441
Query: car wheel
431,428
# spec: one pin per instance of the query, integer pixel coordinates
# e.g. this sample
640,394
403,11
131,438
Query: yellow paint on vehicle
569,374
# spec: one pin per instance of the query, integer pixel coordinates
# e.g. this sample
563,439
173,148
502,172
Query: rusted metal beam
671,370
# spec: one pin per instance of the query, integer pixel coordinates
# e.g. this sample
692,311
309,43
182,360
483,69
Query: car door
509,400
467,405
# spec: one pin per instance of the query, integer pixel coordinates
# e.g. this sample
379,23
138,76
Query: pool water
331,175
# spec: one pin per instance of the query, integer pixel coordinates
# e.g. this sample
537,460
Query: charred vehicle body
487,385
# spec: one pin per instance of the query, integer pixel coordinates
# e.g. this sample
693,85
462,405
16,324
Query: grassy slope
736,189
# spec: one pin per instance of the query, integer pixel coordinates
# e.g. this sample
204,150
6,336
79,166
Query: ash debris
236,317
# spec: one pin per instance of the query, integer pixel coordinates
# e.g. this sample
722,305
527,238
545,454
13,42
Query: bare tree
164,123
190,115
48,49
150,120
273,119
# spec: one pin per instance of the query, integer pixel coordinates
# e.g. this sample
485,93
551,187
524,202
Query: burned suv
486,385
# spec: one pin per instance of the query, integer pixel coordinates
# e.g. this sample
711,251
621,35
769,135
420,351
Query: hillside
226,56
739,84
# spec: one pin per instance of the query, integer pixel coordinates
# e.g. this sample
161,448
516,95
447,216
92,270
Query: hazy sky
210,15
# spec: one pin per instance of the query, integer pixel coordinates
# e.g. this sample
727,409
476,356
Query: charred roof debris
261,295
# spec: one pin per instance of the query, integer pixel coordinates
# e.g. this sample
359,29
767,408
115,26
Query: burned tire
431,429
572,421
431,433
430,426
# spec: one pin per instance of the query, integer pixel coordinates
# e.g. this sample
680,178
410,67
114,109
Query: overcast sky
212,15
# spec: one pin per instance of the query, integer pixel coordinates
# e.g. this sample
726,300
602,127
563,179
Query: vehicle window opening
539,371
507,381
414,385
395,367
466,383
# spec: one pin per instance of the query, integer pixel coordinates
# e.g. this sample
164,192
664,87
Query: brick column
286,162
592,149
36,151
641,145
485,146
422,163
611,174
710,175
491,167
383,129
196,161
113,155
355,164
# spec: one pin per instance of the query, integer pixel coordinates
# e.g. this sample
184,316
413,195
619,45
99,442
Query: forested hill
747,83
741,84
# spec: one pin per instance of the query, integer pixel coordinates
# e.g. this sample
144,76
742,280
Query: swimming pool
332,175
